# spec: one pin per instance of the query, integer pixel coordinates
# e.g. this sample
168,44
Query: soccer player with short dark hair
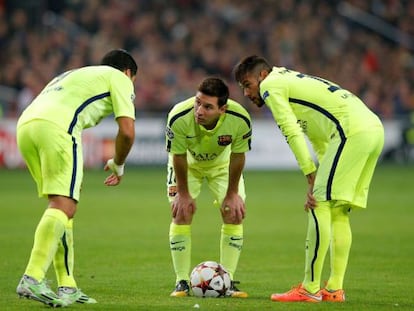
206,137
347,139
49,139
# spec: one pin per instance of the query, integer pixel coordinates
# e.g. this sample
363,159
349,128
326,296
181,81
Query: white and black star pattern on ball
210,279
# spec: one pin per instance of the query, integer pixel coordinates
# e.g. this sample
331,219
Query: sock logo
237,246
175,242
236,238
177,248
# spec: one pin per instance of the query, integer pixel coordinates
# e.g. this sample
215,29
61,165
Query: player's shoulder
97,68
235,106
181,111
184,105
101,71
279,80
278,76
237,111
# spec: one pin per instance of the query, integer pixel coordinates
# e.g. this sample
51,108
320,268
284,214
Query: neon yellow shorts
345,173
217,179
53,157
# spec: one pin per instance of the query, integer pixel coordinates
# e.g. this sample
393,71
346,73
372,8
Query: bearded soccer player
49,139
207,136
347,139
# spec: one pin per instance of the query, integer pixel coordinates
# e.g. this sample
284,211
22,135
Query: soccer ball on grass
209,279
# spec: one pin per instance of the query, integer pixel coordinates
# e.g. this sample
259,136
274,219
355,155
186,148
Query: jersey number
171,176
60,77
331,87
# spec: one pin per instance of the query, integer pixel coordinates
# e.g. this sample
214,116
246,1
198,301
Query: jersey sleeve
276,97
242,141
122,95
176,132
175,140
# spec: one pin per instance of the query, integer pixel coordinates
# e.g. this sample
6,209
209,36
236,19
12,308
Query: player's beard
260,102
257,100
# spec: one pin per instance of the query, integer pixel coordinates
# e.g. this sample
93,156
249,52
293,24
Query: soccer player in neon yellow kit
49,139
347,139
207,136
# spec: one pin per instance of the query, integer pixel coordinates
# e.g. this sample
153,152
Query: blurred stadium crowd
368,50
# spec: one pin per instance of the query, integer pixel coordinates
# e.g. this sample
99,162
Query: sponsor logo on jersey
203,156
224,140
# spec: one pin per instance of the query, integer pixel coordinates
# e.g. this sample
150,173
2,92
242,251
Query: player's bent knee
183,220
231,220
65,204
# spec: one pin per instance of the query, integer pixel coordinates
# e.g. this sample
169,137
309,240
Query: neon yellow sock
47,235
180,247
317,245
231,244
340,246
63,261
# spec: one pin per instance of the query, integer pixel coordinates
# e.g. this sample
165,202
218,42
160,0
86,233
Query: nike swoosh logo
176,242
316,297
235,238
187,136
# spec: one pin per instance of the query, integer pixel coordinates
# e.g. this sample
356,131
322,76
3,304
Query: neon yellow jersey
320,109
208,148
81,98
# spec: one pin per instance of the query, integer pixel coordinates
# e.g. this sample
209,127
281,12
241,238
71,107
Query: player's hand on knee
233,214
183,208
233,209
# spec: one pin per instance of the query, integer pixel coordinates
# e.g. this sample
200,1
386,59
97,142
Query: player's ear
223,108
263,74
128,72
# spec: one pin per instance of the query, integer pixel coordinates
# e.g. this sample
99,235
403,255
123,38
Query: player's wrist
118,169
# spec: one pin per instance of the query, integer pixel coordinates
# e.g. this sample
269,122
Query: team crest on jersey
265,95
169,132
224,140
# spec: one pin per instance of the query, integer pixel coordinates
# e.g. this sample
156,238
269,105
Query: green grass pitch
123,258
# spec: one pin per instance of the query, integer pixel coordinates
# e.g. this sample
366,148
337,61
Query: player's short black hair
213,86
120,59
250,64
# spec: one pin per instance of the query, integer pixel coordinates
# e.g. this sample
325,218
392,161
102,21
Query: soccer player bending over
49,139
347,139
207,136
